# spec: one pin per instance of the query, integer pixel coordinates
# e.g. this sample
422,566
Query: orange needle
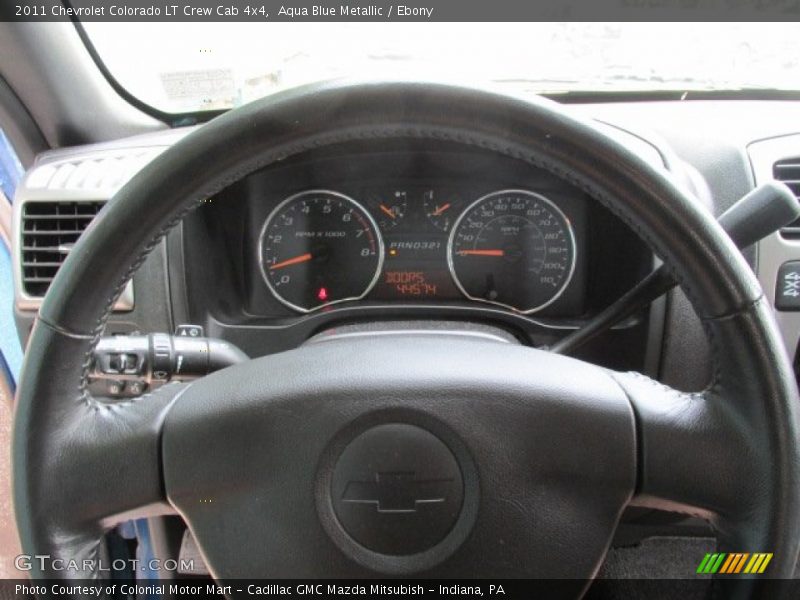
388,211
441,209
291,261
481,252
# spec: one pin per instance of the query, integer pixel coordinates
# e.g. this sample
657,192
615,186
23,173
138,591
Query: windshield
182,67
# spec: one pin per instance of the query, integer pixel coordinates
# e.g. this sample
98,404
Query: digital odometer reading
513,248
318,248
410,284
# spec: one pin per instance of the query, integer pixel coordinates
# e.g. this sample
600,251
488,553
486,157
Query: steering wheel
413,456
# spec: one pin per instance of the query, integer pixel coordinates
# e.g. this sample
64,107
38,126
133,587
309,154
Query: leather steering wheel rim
729,454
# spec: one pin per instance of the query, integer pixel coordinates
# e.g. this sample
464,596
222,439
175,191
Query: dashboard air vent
49,230
788,171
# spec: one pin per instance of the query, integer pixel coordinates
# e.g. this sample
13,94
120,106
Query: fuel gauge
388,207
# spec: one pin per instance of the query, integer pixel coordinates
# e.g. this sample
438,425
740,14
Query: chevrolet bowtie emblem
397,492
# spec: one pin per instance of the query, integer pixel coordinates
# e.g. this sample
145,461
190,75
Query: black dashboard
210,270
405,231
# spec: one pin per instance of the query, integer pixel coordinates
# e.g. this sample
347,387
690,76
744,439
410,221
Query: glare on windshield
180,67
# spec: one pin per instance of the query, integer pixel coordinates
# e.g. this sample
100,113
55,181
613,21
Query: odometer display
318,248
513,248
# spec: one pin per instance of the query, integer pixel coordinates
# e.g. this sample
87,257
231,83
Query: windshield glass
181,67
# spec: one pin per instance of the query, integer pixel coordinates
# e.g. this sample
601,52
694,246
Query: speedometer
513,248
318,248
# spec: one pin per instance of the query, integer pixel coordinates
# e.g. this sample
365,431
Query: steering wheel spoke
707,453
121,443
684,439
101,462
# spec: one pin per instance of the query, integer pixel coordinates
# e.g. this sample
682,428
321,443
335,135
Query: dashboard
404,231
425,236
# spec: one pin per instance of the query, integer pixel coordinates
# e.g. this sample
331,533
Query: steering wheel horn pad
550,449
565,470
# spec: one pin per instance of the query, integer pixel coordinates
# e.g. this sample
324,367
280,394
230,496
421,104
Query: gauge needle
388,211
291,261
439,210
481,253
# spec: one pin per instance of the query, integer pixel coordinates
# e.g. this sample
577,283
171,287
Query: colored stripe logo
733,563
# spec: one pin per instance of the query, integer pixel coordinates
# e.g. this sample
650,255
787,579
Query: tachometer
318,248
513,248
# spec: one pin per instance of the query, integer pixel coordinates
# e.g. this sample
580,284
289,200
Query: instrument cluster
514,248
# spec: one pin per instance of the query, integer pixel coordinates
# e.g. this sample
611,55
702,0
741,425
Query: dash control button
162,356
195,331
787,288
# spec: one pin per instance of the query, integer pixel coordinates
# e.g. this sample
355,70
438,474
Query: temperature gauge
441,209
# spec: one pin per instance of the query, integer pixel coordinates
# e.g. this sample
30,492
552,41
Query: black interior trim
712,272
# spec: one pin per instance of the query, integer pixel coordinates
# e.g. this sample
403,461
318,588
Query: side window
10,175
10,168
